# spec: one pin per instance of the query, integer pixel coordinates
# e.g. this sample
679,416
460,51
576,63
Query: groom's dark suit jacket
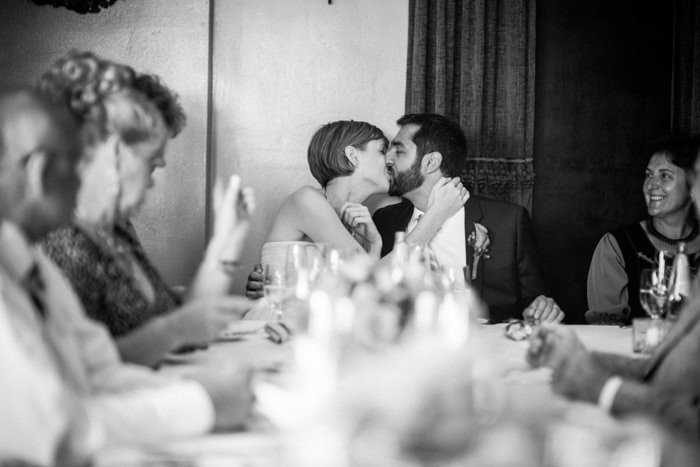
510,278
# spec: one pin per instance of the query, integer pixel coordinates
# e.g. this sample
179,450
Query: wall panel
166,37
284,67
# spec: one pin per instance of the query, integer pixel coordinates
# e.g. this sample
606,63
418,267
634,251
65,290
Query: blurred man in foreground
102,400
665,385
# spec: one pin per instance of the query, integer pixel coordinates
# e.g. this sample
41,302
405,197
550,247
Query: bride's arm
312,215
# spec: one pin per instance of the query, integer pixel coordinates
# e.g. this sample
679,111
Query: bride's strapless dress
274,253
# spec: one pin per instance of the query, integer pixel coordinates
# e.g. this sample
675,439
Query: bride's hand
233,211
357,217
447,197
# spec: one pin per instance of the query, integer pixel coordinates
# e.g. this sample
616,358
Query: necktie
33,283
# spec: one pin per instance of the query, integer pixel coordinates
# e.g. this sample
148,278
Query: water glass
654,291
275,288
303,268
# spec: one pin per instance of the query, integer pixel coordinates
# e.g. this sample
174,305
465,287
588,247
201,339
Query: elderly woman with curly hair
126,119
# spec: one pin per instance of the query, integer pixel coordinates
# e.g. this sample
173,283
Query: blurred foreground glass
654,291
275,288
647,334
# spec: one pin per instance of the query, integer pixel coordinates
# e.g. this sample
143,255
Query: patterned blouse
100,267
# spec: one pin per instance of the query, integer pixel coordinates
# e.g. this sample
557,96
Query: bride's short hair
326,153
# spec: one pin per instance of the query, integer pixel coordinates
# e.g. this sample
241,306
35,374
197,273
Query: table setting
361,365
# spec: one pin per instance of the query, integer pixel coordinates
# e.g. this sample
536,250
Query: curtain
474,62
686,67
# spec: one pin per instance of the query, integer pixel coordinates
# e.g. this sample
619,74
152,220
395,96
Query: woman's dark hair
437,133
326,153
680,149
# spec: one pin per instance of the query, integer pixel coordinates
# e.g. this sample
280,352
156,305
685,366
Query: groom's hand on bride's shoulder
254,285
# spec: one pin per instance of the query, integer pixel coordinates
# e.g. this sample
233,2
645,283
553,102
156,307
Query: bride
347,159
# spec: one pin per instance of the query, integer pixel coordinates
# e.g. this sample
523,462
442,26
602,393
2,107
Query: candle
653,337
662,268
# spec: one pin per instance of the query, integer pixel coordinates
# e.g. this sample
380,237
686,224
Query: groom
427,148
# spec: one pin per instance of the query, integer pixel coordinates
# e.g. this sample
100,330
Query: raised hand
233,210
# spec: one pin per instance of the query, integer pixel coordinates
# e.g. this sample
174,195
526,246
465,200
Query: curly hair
82,79
165,100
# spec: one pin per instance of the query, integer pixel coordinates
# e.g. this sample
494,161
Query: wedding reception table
260,446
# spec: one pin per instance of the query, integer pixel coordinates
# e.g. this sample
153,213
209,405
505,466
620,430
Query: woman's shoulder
296,213
307,201
307,194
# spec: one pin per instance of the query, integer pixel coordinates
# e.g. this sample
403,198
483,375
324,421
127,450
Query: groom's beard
401,183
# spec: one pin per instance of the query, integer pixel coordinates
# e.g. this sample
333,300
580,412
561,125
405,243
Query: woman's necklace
671,241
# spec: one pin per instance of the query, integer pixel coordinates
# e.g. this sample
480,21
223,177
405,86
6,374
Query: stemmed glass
654,291
315,261
298,269
275,288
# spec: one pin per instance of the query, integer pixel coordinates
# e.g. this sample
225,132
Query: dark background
603,91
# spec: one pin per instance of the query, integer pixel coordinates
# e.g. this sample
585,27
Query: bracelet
229,267
608,393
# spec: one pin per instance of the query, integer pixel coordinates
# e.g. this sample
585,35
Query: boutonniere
479,241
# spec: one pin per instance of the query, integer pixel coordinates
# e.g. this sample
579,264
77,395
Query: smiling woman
613,277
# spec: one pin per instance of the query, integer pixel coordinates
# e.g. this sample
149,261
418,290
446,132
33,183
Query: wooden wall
603,90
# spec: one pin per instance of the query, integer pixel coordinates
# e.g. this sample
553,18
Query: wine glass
316,254
654,291
275,288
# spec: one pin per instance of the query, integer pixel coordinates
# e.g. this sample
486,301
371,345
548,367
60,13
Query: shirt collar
16,253
417,213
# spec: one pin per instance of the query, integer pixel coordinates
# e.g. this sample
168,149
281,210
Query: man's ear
351,155
34,168
432,161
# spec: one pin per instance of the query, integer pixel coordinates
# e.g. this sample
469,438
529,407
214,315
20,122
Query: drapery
474,62
686,67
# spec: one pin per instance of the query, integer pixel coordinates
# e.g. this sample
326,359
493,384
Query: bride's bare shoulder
307,195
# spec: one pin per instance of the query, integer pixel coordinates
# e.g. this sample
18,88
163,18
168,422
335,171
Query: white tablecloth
260,447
